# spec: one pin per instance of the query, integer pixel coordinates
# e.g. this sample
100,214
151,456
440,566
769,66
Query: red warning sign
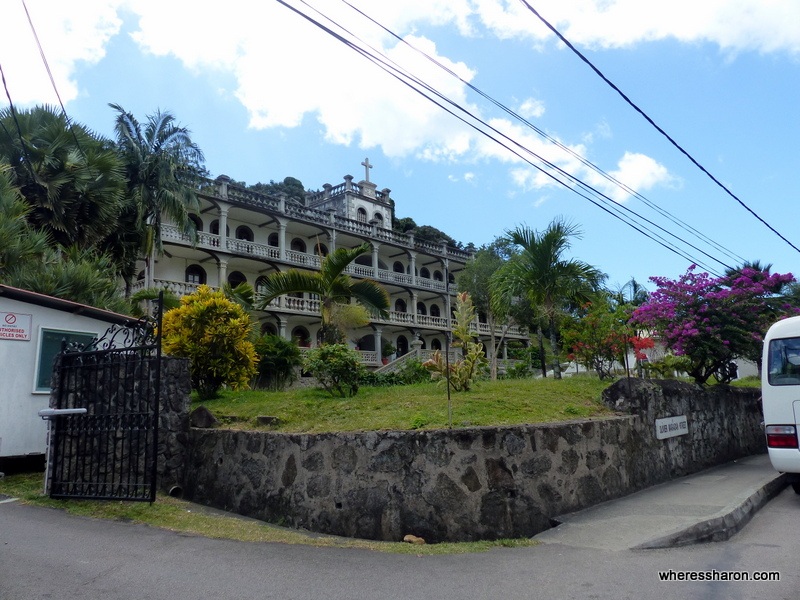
15,326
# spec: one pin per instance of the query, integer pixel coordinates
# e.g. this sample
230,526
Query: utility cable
583,160
652,122
52,80
12,110
397,74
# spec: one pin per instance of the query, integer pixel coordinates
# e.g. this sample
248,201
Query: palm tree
163,166
71,178
333,286
542,275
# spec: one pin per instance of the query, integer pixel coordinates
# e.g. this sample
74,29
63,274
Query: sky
541,136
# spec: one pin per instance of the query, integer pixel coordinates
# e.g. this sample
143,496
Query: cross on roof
367,167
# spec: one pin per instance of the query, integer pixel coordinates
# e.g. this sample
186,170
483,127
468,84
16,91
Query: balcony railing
263,202
300,259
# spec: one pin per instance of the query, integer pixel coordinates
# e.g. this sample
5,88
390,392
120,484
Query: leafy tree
279,359
475,280
600,338
213,333
335,290
540,273
293,188
71,178
163,167
337,368
462,373
713,321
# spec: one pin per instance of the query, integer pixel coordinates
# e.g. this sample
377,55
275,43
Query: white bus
780,396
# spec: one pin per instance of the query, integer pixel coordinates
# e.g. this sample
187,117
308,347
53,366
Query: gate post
173,441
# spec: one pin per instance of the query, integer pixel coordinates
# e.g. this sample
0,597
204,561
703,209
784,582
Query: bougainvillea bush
714,321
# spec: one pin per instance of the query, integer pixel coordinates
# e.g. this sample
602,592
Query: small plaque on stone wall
671,427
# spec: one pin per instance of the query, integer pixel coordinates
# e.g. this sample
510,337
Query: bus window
784,361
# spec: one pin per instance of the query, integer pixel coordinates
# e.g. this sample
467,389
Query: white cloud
286,70
637,172
531,108
734,25
70,33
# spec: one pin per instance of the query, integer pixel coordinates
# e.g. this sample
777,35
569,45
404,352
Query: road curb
725,524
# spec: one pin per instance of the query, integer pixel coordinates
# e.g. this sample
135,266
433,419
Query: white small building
32,327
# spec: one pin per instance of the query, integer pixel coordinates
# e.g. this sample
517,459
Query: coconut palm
335,290
542,274
163,166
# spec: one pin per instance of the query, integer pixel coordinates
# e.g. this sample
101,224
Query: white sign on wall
15,326
671,427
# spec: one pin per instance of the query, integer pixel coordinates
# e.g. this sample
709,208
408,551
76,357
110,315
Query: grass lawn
420,406
178,515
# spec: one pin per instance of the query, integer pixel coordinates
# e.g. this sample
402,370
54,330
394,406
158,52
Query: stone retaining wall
476,483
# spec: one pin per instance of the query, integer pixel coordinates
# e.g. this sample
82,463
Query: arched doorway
301,337
402,345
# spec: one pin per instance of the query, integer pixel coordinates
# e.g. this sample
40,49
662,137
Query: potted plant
387,350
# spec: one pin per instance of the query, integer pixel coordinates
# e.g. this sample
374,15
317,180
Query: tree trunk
554,347
542,356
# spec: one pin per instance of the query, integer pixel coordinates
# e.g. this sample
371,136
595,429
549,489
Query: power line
652,122
407,79
555,141
52,80
13,112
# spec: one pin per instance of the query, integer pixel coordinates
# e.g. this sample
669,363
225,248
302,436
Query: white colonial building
244,236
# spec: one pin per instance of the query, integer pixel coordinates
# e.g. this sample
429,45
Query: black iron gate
104,416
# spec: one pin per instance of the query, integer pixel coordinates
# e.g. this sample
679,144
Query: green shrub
213,333
413,371
337,368
520,370
278,363
667,367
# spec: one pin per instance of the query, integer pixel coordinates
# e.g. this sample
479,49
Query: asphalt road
45,553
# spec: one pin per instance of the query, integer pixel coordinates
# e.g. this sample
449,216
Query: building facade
244,236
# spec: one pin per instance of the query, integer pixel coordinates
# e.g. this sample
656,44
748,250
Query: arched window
198,222
236,278
400,306
435,310
298,245
421,309
379,218
269,329
243,232
321,249
436,344
437,276
451,279
301,337
366,343
361,215
195,275
398,267
424,273
272,240
214,229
